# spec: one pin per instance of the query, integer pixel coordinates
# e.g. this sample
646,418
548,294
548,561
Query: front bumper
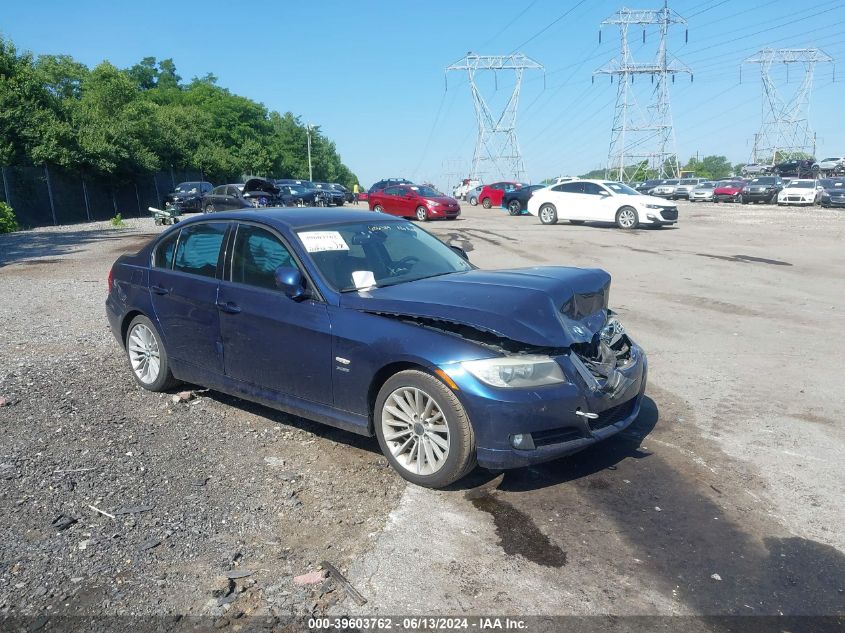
796,200
548,413
759,196
833,202
723,197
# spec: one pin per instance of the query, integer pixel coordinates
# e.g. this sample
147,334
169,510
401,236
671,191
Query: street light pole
310,170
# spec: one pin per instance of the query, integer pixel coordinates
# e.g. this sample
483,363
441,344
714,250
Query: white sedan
800,192
582,201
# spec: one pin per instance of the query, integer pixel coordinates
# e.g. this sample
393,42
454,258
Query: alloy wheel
627,218
415,431
144,354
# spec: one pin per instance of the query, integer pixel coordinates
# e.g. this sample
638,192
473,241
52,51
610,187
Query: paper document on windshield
363,279
320,241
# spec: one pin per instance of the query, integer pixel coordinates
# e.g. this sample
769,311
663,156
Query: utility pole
308,134
496,143
785,127
642,134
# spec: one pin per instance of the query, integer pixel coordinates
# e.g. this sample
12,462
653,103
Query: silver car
686,186
472,195
666,189
703,192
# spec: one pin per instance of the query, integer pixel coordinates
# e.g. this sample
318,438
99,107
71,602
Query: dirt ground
724,498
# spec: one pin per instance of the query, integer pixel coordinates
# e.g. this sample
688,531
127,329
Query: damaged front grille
598,361
613,415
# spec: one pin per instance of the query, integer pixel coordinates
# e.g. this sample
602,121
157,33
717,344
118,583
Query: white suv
830,165
582,201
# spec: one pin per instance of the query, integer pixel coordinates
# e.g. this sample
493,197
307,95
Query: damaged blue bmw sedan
368,323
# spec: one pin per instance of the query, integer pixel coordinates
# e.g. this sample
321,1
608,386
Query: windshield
366,254
706,185
426,191
187,187
802,184
618,187
831,183
689,181
763,181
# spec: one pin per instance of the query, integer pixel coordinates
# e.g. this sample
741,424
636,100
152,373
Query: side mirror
290,281
461,252
604,194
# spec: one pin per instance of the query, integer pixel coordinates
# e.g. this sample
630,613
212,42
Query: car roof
298,217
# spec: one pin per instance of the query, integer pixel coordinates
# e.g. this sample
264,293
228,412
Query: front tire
548,214
423,430
473,201
147,356
486,203
378,208
627,218
422,214
514,207
209,208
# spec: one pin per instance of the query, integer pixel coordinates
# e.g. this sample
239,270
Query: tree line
106,120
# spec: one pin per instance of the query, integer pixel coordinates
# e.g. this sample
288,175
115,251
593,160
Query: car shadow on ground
26,245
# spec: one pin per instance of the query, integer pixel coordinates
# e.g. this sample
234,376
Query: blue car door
183,289
270,340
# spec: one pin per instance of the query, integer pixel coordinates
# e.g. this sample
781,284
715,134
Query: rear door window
198,251
163,256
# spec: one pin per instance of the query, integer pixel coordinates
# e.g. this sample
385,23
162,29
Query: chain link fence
42,196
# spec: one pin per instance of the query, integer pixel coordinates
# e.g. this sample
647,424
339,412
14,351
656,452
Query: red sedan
414,201
492,195
728,191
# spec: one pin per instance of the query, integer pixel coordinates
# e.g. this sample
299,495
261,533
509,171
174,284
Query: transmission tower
785,128
496,143
642,134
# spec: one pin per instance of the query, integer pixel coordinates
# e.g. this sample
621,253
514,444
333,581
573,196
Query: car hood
441,199
259,184
731,190
651,199
541,306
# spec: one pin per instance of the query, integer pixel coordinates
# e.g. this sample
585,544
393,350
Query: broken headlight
516,371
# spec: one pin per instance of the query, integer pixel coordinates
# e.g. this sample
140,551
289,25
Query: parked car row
828,192
201,196
799,167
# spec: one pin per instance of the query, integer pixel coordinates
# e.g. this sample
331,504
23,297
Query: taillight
111,279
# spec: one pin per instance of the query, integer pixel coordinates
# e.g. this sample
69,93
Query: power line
548,26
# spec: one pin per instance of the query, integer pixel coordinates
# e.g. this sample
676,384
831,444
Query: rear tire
486,203
147,356
547,214
432,451
473,201
627,218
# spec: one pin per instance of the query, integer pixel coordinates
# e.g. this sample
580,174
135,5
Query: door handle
229,307
160,290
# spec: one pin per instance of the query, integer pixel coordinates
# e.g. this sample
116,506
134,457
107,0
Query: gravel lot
724,498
